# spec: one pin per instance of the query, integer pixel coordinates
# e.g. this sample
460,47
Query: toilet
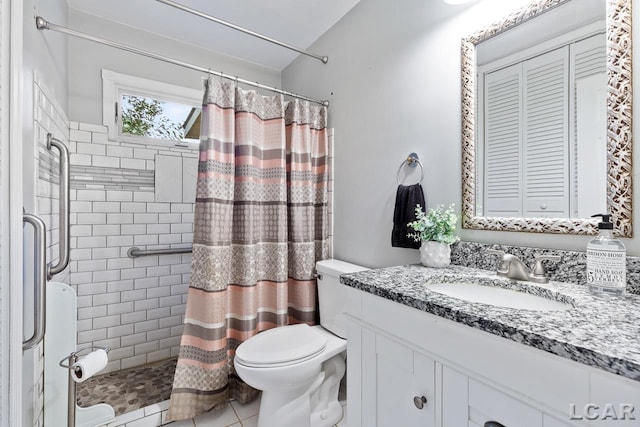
299,367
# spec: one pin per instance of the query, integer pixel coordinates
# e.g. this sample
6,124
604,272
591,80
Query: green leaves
438,225
145,117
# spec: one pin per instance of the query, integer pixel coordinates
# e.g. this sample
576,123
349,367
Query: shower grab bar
63,214
135,252
41,270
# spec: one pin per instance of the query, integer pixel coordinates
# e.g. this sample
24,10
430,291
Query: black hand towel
407,197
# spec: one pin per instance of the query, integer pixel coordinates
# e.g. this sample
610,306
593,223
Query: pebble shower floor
129,389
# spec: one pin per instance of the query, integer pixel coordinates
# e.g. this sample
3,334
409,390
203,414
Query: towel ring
412,161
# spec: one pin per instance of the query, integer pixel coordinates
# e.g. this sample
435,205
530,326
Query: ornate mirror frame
619,136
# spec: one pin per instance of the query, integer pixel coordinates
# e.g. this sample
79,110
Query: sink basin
498,296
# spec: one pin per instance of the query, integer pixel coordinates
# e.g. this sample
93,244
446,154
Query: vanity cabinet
397,354
400,383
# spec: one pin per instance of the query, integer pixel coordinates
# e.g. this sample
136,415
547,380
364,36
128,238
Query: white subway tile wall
134,306
49,117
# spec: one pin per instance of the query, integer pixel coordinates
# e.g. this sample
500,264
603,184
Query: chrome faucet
512,267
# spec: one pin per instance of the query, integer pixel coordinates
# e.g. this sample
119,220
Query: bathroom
393,82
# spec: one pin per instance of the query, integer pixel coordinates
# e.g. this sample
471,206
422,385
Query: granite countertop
603,332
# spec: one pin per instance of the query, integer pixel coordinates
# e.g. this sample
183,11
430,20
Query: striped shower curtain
260,225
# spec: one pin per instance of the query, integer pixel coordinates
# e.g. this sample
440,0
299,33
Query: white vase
435,254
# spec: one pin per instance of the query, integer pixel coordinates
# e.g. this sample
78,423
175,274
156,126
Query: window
142,110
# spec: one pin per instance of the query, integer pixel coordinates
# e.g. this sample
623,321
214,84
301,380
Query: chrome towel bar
64,230
135,252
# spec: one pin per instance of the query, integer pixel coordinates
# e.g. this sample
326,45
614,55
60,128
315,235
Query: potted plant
436,231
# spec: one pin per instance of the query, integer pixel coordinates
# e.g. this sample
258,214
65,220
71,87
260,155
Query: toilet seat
281,346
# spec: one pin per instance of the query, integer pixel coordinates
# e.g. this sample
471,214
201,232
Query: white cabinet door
455,398
398,384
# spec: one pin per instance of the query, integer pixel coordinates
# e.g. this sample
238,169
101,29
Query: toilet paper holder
71,359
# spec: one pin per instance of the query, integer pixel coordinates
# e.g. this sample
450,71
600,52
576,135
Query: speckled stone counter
603,332
571,268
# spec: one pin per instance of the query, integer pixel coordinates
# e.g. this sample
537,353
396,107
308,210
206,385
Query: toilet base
314,404
287,409
329,417
326,410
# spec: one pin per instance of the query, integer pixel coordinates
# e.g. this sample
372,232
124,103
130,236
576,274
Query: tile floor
236,415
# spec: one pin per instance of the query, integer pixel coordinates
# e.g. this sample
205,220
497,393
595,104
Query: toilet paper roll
89,365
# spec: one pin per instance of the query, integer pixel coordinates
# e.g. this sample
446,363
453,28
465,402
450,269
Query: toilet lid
278,346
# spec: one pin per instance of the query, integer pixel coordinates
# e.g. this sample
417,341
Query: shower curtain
260,225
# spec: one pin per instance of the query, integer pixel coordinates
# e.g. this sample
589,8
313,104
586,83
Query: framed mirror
546,119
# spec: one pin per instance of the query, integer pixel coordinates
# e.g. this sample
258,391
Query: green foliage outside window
145,117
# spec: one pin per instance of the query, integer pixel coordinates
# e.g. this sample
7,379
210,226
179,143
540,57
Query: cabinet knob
493,424
419,401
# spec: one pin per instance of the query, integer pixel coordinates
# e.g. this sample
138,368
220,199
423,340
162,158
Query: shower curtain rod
323,59
43,24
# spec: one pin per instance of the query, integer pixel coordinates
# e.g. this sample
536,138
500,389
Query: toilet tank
332,295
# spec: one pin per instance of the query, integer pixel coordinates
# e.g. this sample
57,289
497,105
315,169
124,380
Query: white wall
393,79
86,59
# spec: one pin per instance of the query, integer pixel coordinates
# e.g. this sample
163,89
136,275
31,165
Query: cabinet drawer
488,404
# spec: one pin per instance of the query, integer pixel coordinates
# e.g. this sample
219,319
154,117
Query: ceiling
296,22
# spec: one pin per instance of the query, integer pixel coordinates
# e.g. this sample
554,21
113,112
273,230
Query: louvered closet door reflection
503,142
589,146
545,135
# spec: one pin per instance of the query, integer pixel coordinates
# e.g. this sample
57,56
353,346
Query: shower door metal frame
11,49
4,211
